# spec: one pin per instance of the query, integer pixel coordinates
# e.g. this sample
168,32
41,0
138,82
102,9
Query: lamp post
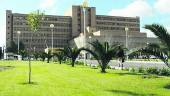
52,27
18,32
84,12
126,29
90,45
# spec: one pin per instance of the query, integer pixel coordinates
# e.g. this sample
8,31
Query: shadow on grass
26,83
2,68
128,73
167,86
130,93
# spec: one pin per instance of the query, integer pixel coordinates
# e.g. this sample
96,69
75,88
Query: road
132,64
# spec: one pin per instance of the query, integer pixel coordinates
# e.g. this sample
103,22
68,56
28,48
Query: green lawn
63,80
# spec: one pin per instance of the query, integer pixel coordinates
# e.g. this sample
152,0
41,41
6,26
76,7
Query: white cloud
45,4
162,6
136,8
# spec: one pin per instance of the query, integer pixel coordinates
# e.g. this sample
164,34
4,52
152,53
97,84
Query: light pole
90,45
84,12
18,32
126,29
52,27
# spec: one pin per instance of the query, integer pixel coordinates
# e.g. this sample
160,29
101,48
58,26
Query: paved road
132,64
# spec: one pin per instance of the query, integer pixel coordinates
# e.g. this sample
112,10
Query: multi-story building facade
67,28
42,38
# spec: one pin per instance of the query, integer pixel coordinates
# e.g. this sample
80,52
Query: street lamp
52,27
90,45
84,12
126,29
18,32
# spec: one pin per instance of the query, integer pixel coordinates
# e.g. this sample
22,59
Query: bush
132,70
79,63
164,72
141,70
152,70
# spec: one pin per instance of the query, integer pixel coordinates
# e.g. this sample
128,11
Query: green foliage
49,56
152,70
162,33
141,70
23,53
42,56
34,20
12,47
103,53
72,53
36,55
61,56
164,72
132,70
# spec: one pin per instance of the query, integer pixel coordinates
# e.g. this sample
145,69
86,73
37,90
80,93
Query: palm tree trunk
121,65
60,61
103,70
72,63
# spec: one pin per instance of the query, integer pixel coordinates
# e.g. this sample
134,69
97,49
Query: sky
149,11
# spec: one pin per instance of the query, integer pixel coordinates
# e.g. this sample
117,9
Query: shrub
150,76
164,72
152,70
132,70
141,70
79,63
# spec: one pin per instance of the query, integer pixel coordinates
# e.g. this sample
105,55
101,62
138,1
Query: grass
63,80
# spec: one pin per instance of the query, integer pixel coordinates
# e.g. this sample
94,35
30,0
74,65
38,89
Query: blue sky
150,11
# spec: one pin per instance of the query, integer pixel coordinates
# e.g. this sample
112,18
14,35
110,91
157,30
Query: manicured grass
63,80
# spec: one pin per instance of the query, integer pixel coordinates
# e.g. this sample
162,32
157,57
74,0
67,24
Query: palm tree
103,53
42,56
23,53
72,53
33,20
36,55
155,50
121,55
49,56
162,33
60,56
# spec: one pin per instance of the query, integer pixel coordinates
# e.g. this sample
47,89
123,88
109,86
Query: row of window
116,28
45,18
116,19
118,24
44,24
43,29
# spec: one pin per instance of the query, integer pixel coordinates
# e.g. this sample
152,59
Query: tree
1,54
23,53
49,56
60,56
121,55
42,56
155,50
21,46
36,55
162,33
12,47
34,21
72,53
103,53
